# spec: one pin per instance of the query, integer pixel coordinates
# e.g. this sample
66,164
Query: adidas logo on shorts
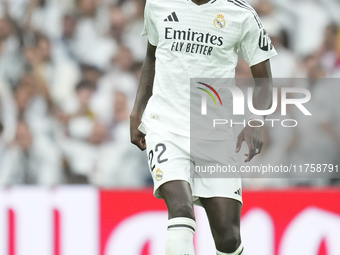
238,192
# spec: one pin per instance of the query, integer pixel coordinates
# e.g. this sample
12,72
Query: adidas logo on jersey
172,17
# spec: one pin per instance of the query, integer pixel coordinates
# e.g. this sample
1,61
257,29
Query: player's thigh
224,216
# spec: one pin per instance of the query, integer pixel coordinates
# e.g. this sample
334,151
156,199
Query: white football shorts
170,159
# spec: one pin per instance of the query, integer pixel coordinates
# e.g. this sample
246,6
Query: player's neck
200,2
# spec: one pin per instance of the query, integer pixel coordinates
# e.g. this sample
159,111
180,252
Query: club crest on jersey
159,174
219,22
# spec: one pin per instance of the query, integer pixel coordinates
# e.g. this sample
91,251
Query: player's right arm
144,92
256,49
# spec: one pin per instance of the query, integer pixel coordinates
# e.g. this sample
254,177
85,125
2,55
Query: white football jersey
197,41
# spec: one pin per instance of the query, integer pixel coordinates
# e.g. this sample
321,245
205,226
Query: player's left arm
262,100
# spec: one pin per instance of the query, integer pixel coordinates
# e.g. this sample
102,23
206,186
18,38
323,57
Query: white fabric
134,42
101,48
7,113
307,14
80,127
66,75
179,162
207,51
102,100
285,65
180,240
111,164
119,164
37,116
16,8
48,19
42,163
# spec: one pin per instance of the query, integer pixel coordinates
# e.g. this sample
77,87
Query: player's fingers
239,142
259,147
138,139
251,151
142,144
258,143
138,144
257,151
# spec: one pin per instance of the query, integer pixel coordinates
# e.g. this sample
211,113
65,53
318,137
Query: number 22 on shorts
159,149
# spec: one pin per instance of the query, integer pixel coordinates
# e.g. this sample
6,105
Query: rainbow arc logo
209,93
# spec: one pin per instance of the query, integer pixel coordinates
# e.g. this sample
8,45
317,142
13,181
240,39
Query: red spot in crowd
323,248
56,217
146,249
11,231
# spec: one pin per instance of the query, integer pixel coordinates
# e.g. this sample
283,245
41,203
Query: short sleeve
150,28
255,44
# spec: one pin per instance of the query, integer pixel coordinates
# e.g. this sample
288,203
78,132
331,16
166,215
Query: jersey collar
208,4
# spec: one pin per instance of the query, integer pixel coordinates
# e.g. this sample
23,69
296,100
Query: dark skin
144,92
224,214
200,2
262,100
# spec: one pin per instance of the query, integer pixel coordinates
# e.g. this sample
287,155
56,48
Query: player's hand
136,136
253,137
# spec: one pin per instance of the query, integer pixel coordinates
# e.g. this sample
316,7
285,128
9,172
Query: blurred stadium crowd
69,70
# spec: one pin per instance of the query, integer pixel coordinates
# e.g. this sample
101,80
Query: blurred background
69,71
